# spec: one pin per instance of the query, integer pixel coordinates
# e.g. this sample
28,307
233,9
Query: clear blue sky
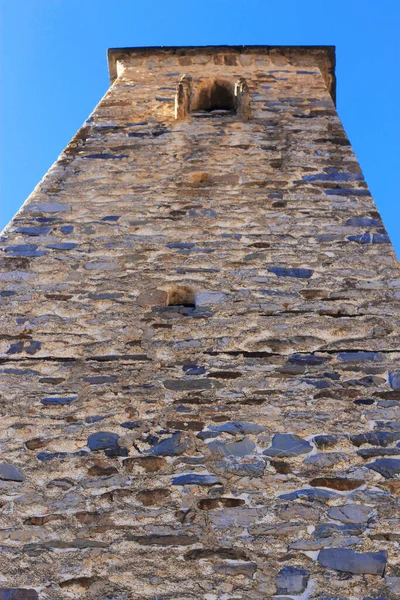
53,71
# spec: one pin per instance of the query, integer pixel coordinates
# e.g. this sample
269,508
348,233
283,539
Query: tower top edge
322,56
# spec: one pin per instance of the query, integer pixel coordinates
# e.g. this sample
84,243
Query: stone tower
200,376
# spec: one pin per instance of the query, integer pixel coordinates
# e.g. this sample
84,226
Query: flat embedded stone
350,513
170,447
242,448
252,466
291,580
325,459
180,385
375,438
394,380
103,440
287,445
53,401
294,272
388,467
18,594
238,427
10,473
51,207
195,479
349,561
309,494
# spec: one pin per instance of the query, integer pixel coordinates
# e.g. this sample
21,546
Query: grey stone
394,380
181,385
349,561
388,467
252,466
291,580
327,459
10,473
18,594
238,427
287,445
195,479
375,438
309,494
170,447
326,530
350,513
51,207
325,441
241,448
207,298
52,401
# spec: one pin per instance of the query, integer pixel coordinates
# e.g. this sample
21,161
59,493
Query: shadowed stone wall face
244,447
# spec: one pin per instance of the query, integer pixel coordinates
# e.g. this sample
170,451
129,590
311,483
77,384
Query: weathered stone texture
200,361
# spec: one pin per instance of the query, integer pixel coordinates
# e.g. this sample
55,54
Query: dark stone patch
363,222
10,473
364,238
62,246
336,483
99,379
132,424
253,466
188,384
170,447
334,176
309,494
225,374
347,192
380,238
388,467
34,231
52,401
286,272
45,456
241,448
238,427
222,553
307,359
394,380
213,503
104,440
67,229
18,594
358,356
291,580
350,513
94,419
23,250
194,370
195,479
325,441
374,452
287,445
378,438
349,561
327,530
112,218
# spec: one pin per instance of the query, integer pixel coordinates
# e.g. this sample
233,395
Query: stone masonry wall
244,448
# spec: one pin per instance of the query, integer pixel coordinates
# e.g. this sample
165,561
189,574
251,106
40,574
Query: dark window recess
181,295
212,97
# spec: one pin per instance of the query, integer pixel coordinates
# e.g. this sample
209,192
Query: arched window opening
215,95
212,97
